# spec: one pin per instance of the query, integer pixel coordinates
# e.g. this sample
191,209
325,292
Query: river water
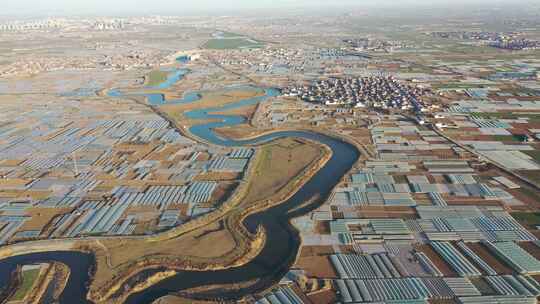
282,241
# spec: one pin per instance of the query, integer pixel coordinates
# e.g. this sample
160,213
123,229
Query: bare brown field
532,175
218,176
323,297
317,267
11,162
40,217
307,251
322,227
223,191
384,212
492,261
531,248
527,195
437,260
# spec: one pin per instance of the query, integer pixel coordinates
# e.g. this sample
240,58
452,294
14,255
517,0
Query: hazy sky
33,7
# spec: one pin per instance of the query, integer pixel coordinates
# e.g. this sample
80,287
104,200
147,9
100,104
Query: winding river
283,239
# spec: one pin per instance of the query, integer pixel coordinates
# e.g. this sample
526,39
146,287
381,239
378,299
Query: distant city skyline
127,7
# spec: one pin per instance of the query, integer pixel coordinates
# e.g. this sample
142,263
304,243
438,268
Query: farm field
215,241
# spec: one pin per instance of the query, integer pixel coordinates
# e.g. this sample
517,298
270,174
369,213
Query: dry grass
531,248
245,111
238,132
211,99
13,182
212,241
222,192
156,77
280,162
10,162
